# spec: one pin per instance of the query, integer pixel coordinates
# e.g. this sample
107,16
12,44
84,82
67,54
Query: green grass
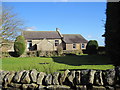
57,63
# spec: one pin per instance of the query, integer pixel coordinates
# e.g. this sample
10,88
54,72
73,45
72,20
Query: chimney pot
57,29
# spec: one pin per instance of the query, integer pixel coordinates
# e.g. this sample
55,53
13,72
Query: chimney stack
58,30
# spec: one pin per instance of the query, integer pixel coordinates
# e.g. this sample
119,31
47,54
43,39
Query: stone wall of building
70,47
69,80
44,44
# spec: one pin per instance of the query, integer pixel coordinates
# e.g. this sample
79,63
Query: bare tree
11,26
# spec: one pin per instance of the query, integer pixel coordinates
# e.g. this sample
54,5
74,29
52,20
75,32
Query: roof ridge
71,34
39,31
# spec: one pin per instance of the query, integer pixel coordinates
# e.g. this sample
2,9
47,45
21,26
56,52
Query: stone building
50,40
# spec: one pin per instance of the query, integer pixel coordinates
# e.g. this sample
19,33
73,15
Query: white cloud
89,36
30,28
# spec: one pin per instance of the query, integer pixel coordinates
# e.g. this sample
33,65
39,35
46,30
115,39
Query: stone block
71,77
109,77
84,77
25,78
40,77
98,80
30,86
81,87
98,88
55,78
17,76
63,76
91,76
15,85
33,75
48,79
58,87
77,78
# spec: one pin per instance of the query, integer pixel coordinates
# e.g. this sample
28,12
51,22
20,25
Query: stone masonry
69,80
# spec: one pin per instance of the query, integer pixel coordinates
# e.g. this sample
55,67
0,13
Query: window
29,44
35,47
83,45
74,45
56,42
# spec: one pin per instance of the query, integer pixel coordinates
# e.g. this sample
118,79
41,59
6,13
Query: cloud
89,36
30,28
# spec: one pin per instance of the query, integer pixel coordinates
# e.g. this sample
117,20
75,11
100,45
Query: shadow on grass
83,60
13,54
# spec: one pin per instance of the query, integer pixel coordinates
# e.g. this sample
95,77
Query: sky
85,18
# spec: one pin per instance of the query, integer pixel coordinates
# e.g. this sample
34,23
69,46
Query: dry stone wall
69,80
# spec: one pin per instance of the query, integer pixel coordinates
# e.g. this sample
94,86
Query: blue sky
85,18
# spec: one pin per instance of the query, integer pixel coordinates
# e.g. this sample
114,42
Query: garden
57,64
57,61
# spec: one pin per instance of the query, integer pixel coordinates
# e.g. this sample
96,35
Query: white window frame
56,42
74,45
28,43
82,47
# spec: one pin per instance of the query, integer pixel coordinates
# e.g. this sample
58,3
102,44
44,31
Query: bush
84,51
38,53
20,39
92,47
73,52
46,53
49,53
19,45
41,53
101,50
19,48
59,50
31,53
5,54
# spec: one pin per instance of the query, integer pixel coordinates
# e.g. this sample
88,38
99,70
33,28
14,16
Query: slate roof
41,35
73,38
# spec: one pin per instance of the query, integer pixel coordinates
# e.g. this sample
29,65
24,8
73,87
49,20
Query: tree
11,25
92,47
19,45
112,31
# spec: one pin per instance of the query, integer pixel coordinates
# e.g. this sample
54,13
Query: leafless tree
11,26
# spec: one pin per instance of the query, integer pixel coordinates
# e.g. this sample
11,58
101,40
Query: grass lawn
57,63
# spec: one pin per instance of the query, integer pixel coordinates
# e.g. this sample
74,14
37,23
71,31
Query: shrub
78,52
59,50
84,51
20,39
5,54
92,47
49,53
73,52
31,54
19,48
101,50
46,53
38,53
19,45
